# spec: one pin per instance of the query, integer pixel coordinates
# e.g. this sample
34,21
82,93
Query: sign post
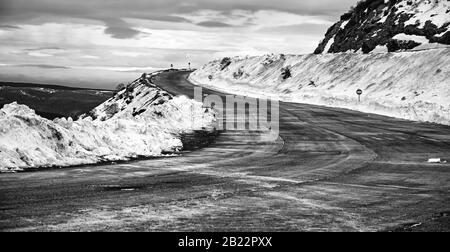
359,92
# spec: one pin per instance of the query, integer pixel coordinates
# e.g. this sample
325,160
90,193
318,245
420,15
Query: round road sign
359,92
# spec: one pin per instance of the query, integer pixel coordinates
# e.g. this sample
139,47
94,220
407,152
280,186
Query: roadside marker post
359,92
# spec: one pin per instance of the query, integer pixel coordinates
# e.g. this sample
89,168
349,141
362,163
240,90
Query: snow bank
141,120
409,85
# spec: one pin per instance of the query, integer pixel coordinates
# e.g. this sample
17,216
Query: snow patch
344,24
418,39
380,49
329,44
426,10
436,161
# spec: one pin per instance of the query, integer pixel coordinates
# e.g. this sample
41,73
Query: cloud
44,66
215,18
43,48
128,53
120,69
120,29
134,35
43,51
39,54
309,29
162,10
251,19
9,27
214,24
89,57
113,13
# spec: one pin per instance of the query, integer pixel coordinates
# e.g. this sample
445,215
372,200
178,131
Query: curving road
330,170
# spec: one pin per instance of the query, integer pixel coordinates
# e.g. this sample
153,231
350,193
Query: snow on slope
141,120
410,85
423,11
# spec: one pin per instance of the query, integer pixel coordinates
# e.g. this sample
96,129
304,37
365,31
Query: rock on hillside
390,25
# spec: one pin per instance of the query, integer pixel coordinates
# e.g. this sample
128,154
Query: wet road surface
330,170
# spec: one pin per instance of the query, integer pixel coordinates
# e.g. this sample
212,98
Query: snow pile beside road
141,120
410,85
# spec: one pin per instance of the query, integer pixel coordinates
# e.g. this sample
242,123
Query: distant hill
56,87
389,25
53,101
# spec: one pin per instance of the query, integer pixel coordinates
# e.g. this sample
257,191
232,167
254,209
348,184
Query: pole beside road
359,92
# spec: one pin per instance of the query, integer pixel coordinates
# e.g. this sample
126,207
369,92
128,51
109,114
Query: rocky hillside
390,25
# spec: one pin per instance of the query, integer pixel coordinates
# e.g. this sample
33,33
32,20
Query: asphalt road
330,170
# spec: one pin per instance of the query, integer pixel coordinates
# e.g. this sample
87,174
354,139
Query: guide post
359,93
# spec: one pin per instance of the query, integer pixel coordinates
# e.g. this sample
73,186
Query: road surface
330,170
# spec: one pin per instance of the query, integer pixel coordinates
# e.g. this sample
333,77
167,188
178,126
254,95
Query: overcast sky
99,43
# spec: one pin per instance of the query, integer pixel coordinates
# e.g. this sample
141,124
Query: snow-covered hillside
141,120
390,25
409,85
